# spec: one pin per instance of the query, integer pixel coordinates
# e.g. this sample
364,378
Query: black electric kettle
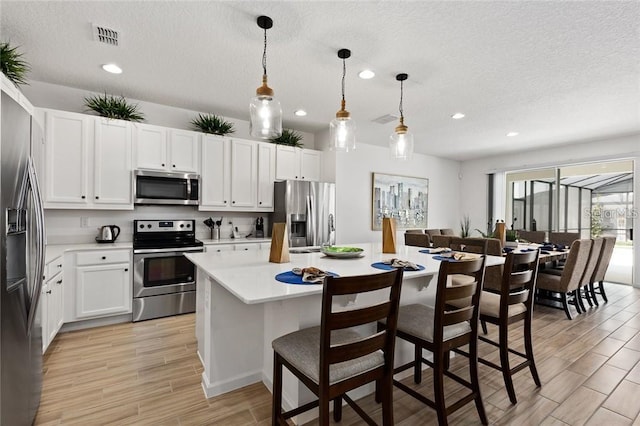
108,233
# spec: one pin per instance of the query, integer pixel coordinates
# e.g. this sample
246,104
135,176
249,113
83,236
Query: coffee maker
260,227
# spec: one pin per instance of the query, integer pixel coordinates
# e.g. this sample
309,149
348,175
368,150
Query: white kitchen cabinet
216,172
266,174
244,173
219,248
66,158
87,162
237,174
160,148
51,302
297,163
102,284
112,162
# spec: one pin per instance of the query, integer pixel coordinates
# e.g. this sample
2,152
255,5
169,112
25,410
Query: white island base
241,309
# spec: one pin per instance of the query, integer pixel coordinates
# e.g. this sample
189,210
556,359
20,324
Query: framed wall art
403,198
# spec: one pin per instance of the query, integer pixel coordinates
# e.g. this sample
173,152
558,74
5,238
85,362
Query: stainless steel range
163,278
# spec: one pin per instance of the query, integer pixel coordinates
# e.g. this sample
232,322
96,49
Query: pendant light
401,144
265,110
342,129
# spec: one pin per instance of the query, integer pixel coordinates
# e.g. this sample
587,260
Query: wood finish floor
148,373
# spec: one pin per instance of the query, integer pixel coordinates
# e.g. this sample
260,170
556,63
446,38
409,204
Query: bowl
342,252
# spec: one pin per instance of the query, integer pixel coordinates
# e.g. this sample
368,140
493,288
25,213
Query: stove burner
160,234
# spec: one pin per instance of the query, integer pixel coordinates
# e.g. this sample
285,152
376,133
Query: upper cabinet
87,162
237,174
297,163
160,148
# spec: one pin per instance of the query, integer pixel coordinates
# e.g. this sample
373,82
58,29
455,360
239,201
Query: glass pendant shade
266,117
342,132
401,145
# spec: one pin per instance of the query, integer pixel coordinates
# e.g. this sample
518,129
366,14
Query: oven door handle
170,251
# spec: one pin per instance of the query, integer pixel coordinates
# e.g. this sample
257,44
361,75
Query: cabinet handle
174,165
233,202
162,164
60,265
225,201
104,257
97,198
296,177
48,291
59,282
302,177
83,197
126,269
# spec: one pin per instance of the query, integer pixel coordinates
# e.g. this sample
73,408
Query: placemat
384,266
291,278
430,251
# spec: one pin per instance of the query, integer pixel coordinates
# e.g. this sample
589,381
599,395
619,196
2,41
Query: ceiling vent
387,118
106,35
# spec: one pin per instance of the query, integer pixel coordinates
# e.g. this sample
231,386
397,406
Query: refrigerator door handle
33,188
310,231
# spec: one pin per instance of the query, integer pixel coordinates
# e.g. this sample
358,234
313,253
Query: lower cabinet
218,248
102,285
51,303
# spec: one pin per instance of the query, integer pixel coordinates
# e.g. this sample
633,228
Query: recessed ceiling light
366,74
512,134
300,112
112,68
457,116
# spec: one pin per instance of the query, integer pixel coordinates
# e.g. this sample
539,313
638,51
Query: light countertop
251,277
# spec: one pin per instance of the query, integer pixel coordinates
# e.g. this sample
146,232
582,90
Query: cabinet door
112,163
216,173
219,248
66,158
183,151
247,247
54,308
287,162
44,315
151,147
266,174
58,301
310,165
243,173
103,290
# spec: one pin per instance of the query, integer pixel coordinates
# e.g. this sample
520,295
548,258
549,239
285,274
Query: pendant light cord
264,54
401,95
344,73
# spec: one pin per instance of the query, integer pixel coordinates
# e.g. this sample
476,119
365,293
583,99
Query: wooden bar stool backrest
518,280
382,340
470,245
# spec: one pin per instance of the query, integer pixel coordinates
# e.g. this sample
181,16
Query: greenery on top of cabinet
115,107
289,138
12,64
211,123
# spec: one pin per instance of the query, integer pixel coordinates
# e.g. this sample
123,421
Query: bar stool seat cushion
302,350
490,306
417,320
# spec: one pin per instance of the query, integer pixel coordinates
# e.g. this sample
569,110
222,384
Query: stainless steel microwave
151,187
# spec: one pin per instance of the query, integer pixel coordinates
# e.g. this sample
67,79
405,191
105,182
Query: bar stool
333,359
440,330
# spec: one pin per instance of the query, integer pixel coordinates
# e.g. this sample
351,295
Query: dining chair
470,245
447,231
512,305
601,269
416,237
432,232
564,238
569,279
441,240
531,236
439,330
589,270
333,358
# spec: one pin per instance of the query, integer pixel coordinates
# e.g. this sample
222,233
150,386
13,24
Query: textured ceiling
554,71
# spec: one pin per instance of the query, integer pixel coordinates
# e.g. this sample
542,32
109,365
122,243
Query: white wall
353,172
64,226
473,195
46,95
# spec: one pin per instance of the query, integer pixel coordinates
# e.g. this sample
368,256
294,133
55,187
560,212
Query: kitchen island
241,309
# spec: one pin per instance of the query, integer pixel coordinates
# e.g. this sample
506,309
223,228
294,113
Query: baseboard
218,388
96,322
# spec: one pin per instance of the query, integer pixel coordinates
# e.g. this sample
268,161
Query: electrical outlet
84,222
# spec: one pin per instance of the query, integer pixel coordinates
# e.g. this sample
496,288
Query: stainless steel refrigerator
22,242
308,209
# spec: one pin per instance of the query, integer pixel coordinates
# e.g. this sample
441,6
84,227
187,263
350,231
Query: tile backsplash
81,226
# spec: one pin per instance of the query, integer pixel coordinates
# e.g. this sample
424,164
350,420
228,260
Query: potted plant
289,138
511,237
114,107
465,226
12,65
213,124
